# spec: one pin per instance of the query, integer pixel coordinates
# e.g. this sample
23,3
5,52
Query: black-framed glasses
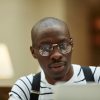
64,47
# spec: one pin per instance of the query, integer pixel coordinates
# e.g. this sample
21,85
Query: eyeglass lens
63,47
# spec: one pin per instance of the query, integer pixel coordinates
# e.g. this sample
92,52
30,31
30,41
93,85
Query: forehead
52,34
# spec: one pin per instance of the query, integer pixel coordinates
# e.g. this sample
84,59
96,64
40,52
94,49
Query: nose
56,55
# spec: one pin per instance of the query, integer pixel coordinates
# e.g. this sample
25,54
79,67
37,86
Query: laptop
77,92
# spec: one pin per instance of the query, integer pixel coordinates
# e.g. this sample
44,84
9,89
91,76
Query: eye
63,45
45,47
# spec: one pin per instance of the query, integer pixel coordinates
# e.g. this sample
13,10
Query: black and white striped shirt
22,88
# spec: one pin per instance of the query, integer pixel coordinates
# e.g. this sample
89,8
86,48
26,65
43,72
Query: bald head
47,23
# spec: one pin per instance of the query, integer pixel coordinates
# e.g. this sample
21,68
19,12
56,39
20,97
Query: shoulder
25,80
22,87
78,70
76,67
96,73
94,69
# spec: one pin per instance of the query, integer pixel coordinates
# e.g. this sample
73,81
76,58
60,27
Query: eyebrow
49,40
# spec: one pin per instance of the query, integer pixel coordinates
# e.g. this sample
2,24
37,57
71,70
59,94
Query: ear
33,52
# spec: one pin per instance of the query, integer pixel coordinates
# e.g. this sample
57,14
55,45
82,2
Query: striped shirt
22,88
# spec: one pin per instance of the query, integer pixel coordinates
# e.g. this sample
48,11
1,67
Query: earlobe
32,51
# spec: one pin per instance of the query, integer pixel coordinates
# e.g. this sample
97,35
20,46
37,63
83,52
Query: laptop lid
77,92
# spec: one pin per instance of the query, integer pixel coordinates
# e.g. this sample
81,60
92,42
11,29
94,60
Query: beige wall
16,20
18,16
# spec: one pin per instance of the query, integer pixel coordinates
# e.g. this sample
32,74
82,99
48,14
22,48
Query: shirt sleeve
14,98
21,89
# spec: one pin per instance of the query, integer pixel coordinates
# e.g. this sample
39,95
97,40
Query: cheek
68,57
43,61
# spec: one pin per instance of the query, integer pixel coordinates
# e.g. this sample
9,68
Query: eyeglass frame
57,45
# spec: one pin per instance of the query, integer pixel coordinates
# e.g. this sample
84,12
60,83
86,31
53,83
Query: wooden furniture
4,93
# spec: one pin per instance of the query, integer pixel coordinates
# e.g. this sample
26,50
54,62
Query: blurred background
17,18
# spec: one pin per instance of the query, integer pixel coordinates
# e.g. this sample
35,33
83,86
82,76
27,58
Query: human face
56,64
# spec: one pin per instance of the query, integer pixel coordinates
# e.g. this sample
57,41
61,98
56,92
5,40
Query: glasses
63,47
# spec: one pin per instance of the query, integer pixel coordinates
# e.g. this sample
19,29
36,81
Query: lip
57,67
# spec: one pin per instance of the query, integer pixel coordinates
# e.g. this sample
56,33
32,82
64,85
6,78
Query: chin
58,76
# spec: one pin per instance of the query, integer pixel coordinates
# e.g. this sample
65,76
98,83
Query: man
52,46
